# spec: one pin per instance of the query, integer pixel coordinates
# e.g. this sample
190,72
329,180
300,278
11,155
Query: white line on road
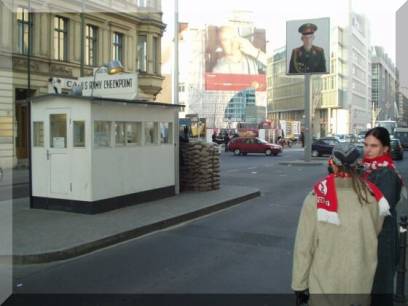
232,170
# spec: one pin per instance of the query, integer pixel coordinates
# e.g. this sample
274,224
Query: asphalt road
245,249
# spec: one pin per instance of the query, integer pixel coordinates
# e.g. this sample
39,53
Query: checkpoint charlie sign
120,86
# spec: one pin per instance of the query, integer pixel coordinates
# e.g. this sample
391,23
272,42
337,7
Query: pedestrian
185,131
214,137
226,140
336,242
380,169
302,139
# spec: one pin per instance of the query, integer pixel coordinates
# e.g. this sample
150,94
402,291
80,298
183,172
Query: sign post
307,54
308,134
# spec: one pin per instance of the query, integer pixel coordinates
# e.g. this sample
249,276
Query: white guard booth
91,155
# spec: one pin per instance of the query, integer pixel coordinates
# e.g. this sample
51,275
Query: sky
272,16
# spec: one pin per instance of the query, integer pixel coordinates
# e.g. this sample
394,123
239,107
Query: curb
303,163
128,235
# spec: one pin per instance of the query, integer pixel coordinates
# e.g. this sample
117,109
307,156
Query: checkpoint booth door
58,147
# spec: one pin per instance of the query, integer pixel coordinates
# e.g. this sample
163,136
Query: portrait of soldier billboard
307,58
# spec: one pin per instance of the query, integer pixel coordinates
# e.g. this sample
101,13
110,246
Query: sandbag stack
199,166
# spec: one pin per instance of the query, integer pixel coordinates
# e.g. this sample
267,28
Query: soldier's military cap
307,28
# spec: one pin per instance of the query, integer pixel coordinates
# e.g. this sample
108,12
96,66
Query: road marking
253,172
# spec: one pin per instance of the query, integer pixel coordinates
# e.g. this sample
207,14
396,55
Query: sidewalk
43,236
14,176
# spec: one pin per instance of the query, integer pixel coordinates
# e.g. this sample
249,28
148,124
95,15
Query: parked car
245,145
360,148
402,135
361,136
323,146
397,151
347,138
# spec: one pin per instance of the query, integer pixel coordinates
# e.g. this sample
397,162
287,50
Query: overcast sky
272,16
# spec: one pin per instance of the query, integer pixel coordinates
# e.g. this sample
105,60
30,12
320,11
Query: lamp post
113,67
176,95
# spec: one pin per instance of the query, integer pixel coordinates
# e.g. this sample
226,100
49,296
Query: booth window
166,132
58,131
133,132
38,132
120,136
102,133
79,134
151,132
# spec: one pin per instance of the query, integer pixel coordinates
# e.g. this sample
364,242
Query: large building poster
235,58
308,46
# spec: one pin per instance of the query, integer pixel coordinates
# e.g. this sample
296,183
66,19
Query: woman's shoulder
384,172
384,176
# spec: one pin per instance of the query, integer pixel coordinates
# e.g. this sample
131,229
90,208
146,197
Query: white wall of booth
92,151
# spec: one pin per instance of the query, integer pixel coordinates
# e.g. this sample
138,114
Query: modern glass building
384,80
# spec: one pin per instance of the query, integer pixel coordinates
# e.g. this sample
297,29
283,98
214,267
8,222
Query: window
120,137
38,132
166,132
91,36
150,133
60,38
79,134
142,3
102,137
58,131
142,53
117,46
133,132
24,29
156,55
182,87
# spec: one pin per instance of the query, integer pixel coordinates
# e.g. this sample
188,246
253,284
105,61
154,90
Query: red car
245,145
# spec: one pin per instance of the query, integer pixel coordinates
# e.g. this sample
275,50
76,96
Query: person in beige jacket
335,252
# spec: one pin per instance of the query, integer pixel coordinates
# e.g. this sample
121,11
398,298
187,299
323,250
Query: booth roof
142,102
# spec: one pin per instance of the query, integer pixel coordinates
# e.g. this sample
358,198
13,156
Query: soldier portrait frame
308,46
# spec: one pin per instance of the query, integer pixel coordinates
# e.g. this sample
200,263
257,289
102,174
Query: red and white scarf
327,203
372,164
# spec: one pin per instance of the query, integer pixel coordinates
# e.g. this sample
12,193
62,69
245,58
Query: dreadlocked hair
358,183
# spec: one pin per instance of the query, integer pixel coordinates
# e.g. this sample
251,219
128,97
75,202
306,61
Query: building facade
401,45
402,63
384,81
43,45
340,99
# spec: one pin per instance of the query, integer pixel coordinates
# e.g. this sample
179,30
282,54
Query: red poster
234,82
